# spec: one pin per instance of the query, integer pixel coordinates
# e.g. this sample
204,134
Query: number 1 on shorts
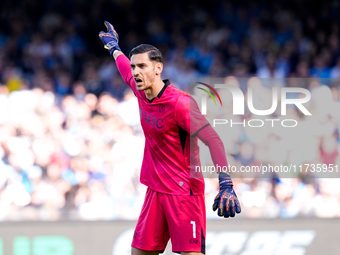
193,228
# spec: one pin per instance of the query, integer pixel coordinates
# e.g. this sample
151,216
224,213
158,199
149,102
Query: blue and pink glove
226,200
110,39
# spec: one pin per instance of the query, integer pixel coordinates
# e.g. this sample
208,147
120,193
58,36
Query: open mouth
137,80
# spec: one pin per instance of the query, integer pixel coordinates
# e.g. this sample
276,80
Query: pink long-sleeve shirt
168,122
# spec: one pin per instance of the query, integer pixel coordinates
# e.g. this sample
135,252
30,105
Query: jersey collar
166,84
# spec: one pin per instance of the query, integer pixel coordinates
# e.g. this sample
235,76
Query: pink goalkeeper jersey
166,125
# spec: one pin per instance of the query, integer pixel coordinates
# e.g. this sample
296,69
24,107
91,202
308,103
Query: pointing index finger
109,26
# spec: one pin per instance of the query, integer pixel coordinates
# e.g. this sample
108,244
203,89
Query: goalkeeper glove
110,39
226,200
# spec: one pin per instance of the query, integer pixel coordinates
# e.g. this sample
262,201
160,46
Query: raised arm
110,40
117,53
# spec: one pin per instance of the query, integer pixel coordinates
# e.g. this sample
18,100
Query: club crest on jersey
161,108
150,119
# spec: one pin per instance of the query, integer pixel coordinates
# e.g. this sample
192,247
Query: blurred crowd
71,144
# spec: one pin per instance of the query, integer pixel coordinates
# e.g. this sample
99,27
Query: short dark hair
153,53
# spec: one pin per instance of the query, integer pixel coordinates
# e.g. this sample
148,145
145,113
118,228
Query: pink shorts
164,216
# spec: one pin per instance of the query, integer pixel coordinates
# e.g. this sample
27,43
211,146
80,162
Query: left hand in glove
226,200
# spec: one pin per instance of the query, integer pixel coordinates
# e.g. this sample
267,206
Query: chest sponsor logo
150,119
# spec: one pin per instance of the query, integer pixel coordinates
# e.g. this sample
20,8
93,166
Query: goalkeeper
174,205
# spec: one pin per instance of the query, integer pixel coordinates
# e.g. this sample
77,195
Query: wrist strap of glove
111,46
225,180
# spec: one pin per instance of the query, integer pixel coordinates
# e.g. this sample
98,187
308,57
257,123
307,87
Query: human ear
159,68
